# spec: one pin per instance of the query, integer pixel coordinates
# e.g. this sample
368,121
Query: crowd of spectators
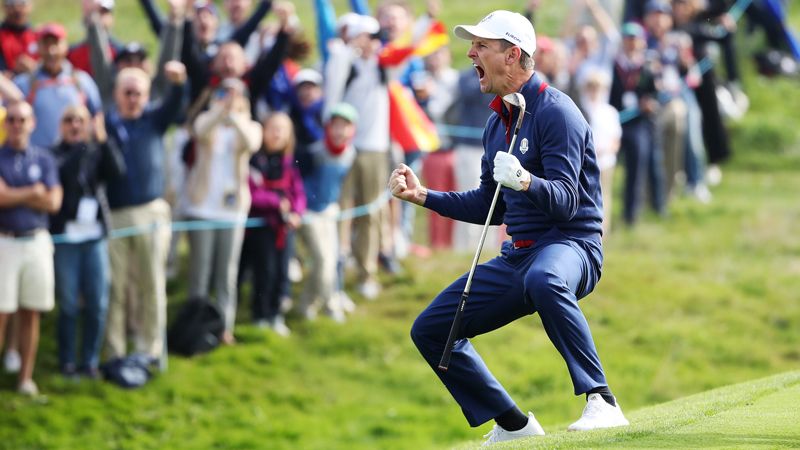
90,186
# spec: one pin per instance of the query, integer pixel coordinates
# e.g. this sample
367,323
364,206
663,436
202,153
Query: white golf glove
509,172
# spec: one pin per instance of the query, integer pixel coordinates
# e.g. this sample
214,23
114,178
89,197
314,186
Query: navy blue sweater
555,145
141,142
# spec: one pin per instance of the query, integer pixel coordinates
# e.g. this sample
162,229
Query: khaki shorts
27,280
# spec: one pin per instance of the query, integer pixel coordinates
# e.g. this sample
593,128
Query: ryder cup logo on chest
34,172
523,146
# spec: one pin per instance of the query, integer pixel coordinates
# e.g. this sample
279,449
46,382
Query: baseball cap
206,5
131,50
657,6
362,24
51,29
632,29
501,24
346,111
308,76
106,4
544,44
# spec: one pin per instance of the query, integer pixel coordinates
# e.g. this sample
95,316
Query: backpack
197,328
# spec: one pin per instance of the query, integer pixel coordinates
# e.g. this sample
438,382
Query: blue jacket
555,145
141,142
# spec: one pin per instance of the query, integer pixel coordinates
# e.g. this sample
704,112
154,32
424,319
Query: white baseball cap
308,76
501,24
362,24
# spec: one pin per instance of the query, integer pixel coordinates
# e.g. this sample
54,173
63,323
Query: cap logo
487,17
513,37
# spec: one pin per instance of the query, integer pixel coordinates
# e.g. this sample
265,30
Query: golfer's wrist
422,195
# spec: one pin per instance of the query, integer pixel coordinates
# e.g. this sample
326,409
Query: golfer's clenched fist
404,184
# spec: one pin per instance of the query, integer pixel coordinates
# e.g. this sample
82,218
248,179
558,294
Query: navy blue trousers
547,278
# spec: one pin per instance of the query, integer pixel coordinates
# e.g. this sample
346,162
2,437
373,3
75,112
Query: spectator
319,229
203,25
551,61
606,130
79,54
366,90
230,62
436,92
138,261
18,51
633,93
469,112
671,117
278,198
106,63
86,161
29,190
306,114
591,48
715,134
9,93
54,85
216,190
237,18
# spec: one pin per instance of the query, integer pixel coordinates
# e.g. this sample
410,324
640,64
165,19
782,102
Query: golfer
550,201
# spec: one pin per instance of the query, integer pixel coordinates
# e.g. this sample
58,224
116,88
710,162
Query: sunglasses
132,93
70,119
16,119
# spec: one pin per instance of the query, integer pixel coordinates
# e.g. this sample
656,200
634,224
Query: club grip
444,363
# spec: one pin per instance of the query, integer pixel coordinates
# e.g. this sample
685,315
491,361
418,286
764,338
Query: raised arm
170,46
170,108
100,57
154,16
242,34
9,92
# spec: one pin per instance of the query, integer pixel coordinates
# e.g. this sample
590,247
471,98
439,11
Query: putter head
518,100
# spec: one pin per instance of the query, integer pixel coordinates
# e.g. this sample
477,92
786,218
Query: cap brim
470,32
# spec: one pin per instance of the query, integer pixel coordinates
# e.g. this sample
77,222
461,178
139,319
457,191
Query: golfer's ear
514,55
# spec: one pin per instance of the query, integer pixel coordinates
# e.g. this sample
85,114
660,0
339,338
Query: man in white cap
551,203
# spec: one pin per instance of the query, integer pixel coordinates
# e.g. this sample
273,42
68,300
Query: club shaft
444,362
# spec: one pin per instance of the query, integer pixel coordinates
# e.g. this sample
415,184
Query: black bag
197,328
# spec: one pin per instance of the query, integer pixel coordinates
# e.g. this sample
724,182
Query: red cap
545,44
51,29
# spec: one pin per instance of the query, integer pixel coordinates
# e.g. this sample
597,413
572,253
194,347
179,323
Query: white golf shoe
599,414
499,434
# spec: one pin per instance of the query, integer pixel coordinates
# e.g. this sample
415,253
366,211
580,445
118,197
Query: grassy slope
704,299
755,414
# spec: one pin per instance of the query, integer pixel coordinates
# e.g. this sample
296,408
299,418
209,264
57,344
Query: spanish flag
434,39
409,126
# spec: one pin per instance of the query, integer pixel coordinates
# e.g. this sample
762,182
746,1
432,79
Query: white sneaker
499,434
28,388
599,414
369,289
278,325
12,361
713,175
345,302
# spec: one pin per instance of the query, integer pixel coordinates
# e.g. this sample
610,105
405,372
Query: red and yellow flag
409,126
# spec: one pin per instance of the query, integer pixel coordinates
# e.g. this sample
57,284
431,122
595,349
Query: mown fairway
706,298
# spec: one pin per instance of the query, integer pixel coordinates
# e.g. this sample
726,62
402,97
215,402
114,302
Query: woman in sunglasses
86,160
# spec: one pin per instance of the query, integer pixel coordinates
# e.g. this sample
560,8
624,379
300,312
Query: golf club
518,100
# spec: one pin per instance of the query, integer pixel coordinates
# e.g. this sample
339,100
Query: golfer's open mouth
480,71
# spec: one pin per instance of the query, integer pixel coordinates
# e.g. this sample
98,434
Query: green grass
703,299
756,414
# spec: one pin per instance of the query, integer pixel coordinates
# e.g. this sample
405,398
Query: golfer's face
489,59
